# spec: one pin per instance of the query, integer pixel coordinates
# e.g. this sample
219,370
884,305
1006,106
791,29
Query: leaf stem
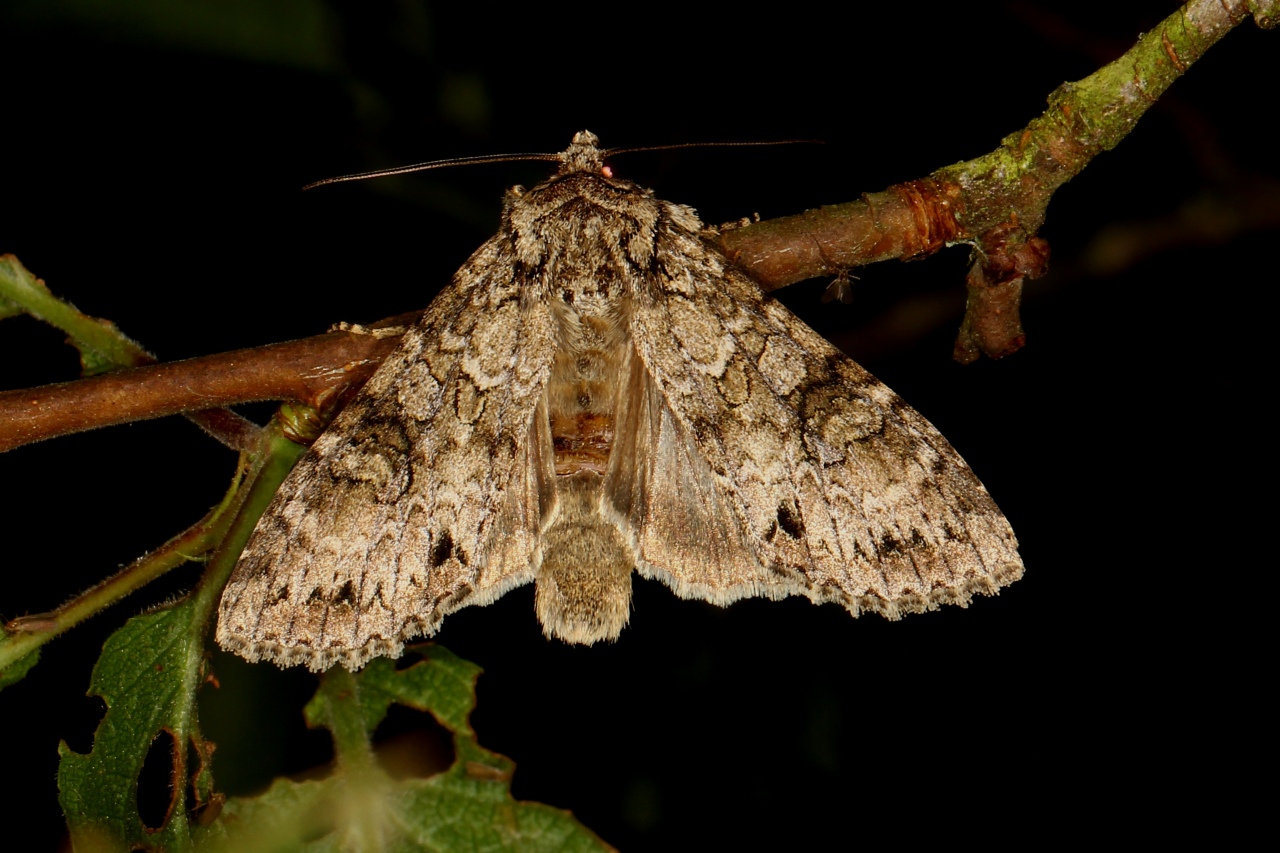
273,463
25,634
366,822
229,523
102,346
346,719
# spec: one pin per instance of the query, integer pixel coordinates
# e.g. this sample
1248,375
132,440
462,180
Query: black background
153,155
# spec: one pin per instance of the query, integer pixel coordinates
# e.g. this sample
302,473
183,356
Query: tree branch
102,347
315,371
996,203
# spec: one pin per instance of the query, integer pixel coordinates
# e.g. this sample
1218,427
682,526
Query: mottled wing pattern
807,474
425,494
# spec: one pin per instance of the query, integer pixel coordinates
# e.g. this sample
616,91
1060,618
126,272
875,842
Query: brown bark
315,371
996,203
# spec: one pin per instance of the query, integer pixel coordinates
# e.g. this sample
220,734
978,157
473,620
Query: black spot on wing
789,520
890,545
445,548
442,550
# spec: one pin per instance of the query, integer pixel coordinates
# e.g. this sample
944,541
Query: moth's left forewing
424,495
838,490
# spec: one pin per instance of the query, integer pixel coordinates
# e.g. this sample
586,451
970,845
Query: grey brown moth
599,391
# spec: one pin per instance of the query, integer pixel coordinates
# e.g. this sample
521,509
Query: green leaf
360,808
442,684
148,674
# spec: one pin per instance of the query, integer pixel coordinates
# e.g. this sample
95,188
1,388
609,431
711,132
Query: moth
597,392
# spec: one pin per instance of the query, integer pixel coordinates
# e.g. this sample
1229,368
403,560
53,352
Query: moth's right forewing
840,491
418,498
920,527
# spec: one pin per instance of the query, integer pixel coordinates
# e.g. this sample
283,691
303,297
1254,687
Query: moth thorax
583,588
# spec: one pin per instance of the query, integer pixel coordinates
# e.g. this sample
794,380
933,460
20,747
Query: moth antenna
611,152
552,158
434,164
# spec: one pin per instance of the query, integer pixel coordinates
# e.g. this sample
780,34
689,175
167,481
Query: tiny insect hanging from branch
599,391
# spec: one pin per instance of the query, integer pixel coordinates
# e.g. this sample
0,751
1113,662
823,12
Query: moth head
583,154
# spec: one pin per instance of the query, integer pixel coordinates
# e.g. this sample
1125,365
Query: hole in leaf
254,719
156,790
88,712
410,744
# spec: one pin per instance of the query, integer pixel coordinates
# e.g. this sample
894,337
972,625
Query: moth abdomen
583,592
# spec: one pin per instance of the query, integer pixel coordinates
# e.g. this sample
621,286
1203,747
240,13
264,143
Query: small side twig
25,634
995,202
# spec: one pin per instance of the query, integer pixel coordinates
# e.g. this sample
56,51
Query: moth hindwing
598,390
